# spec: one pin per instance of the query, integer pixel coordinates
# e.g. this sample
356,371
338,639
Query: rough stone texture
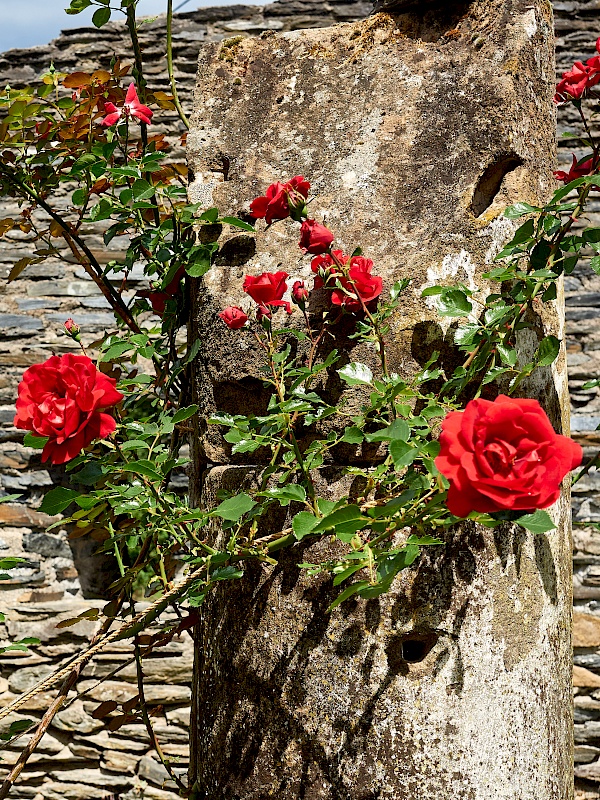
290,700
47,293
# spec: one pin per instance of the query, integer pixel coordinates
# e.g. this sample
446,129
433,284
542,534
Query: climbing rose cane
503,455
63,399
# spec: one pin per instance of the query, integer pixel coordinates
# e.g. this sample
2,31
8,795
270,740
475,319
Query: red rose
63,399
267,289
131,108
299,292
326,268
159,297
576,81
360,283
315,238
577,170
280,199
503,455
234,317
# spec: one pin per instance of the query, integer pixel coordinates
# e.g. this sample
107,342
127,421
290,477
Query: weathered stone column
416,131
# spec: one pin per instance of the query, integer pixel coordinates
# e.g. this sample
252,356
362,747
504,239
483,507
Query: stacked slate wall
61,577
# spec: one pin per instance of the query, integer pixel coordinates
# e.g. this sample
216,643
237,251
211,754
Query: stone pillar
416,130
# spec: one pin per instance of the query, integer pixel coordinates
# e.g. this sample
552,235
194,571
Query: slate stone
48,545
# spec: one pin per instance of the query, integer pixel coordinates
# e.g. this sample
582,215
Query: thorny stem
178,106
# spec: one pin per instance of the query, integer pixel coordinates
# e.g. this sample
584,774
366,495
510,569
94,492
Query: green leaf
234,508
538,522
142,190
348,592
402,453
454,303
38,442
57,499
101,17
184,413
200,262
520,210
548,351
145,468
286,494
399,429
346,521
353,435
237,223
465,335
8,498
355,374
303,524
507,354
227,573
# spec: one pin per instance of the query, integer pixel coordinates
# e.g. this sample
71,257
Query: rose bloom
63,399
581,77
503,455
276,202
326,269
159,297
576,170
131,108
315,238
267,289
234,317
361,283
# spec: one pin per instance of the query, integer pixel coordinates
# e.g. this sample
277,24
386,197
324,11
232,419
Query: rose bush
63,399
503,455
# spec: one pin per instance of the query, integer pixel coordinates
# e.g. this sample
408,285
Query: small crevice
490,182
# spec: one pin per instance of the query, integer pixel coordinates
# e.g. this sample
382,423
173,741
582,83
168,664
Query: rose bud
234,317
263,312
299,293
72,329
315,238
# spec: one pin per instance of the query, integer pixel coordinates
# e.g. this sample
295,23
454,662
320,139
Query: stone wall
81,759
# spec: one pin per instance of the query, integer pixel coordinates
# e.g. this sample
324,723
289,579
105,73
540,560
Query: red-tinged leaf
18,268
104,709
130,704
76,80
67,623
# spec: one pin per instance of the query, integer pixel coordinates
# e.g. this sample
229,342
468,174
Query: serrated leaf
345,521
507,354
38,442
303,524
144,468
348,592
355,374
520,210
286,494
538,522
234,508
8,498
237,223
454,303
353,435
402,453
184,413
548,351
57,499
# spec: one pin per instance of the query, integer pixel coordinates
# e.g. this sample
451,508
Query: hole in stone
490,182
416,646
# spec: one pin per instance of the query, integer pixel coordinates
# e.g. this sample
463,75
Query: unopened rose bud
263,313
299,293
72,330
314,237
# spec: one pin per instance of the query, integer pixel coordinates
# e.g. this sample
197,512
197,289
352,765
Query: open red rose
315,238
280,198
576,82
360,283
131,108
267,289
577,170
503,455
234,317
63,399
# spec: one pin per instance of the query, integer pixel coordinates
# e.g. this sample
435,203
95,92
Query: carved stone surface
415,135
